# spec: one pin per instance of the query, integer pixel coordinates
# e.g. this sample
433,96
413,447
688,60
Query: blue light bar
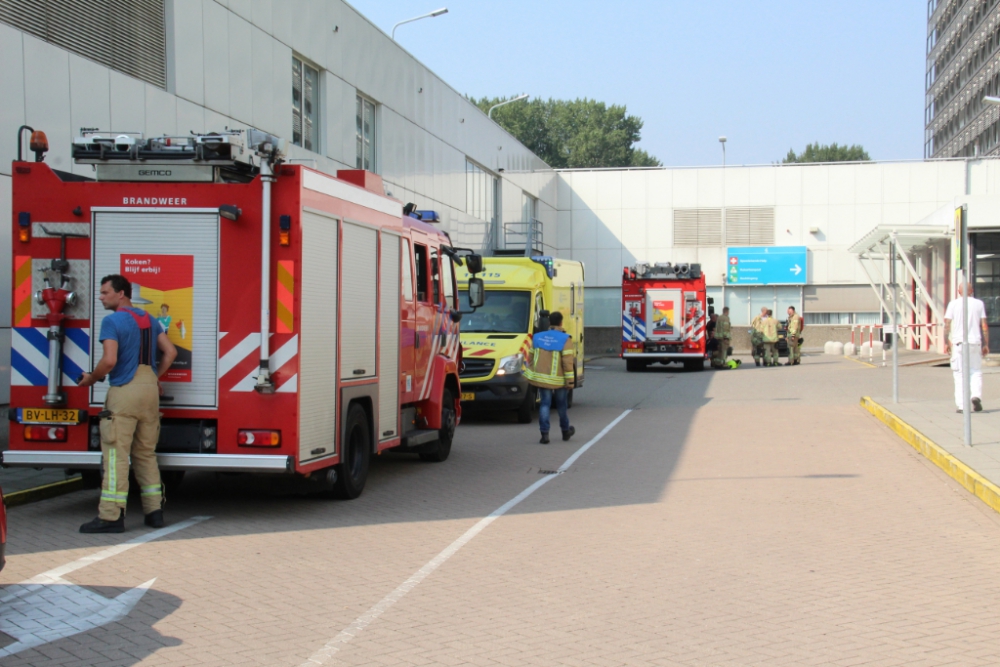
428,216
548,262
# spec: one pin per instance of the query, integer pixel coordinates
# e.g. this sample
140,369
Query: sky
770,75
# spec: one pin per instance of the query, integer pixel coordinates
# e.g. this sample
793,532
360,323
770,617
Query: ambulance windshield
503,312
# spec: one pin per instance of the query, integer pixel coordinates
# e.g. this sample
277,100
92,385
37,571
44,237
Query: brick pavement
755,517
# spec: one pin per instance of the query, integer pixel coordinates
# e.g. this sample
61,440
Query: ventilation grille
697,226
750,226
126,35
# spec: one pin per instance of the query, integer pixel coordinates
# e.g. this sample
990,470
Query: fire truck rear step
167,461
422,437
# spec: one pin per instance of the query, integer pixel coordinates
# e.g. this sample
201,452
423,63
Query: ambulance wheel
352,471
634,365
439,450
527,407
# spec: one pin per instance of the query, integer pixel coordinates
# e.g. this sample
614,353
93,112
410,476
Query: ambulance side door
408,307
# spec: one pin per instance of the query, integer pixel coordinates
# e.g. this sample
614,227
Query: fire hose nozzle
71,299
39,298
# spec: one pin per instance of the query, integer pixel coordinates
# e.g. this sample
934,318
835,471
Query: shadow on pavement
60,623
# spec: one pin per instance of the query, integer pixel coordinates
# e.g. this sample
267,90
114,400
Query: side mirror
477,292
474,264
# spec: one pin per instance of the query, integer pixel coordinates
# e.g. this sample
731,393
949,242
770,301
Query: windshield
503,312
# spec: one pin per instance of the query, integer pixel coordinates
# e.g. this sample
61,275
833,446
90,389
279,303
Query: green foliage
828,153
573,133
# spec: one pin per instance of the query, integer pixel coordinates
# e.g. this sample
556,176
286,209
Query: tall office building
963,65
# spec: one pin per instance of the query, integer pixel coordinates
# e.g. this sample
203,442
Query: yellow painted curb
864,363
43,492
978,485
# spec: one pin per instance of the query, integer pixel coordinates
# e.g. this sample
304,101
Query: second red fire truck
664,315
316,324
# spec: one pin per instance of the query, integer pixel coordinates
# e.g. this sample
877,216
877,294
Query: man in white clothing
978,346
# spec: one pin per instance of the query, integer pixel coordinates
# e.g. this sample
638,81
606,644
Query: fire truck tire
439,450
694,365
527,407
634,365
352,471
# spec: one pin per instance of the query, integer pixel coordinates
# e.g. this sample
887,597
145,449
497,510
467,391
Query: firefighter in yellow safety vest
552,370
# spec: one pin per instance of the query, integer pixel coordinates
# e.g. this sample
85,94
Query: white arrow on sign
796,269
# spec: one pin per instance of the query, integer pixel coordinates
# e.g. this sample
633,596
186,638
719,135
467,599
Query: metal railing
527,236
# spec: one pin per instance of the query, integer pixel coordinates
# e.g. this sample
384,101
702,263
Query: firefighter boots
545,439
99,525
155,519
568,433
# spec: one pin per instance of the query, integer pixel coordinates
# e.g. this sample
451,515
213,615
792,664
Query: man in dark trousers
130,340
552,370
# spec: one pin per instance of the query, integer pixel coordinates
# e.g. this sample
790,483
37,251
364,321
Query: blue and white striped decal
629,324
29,356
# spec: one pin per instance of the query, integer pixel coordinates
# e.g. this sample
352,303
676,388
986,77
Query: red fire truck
315,323
664,310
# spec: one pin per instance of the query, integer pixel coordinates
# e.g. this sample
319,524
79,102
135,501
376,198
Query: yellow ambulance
496,338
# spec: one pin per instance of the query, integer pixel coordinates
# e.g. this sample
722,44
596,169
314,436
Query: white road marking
333,646
47,607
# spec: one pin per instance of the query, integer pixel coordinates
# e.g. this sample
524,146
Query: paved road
753,517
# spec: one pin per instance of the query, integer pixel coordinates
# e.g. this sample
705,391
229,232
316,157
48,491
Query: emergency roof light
547,262
429,216
39,144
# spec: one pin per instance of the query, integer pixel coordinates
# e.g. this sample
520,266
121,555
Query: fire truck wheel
527,407
352,471
634,365
439,450
694,365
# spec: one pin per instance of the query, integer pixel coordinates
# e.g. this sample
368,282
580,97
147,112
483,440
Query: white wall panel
47,98
762,187
90,99
215,41
282,15
609,228
161,112
609,189
609,267
634,230
242,8
842,186
709,187
840,231
12,92
128,103
659,188
240,69
923,186
584,229
282,88
895,183
816,185
788,185
736,190
867,183
190,117
659,227
583,196
265,97
685,188
189,51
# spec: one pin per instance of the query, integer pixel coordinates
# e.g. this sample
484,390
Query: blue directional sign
767,265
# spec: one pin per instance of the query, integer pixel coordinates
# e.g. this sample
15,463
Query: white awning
908,238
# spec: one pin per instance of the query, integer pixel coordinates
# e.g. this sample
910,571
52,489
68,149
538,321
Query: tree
578,133
828,153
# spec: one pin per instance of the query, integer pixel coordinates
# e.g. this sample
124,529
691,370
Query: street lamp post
436,12
519,97
722,140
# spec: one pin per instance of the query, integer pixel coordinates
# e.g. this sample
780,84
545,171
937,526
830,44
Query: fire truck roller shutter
388,336
174,260
318,341
359,272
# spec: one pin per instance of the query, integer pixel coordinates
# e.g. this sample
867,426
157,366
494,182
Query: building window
126,36
529,207
367,133
305,105
481,192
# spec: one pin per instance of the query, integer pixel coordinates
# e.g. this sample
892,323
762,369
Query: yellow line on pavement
978,485
43,492
863,363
